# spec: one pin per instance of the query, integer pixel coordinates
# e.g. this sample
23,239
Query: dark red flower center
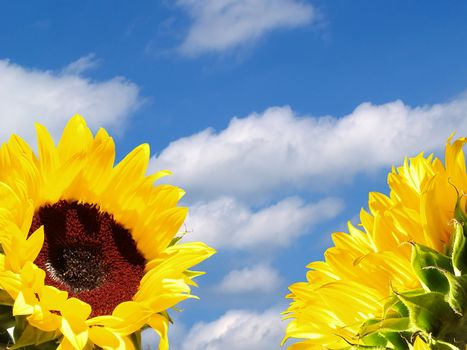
88,254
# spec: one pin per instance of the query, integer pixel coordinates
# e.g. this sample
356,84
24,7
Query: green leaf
5,298
360,346
375,339
174,241
442,345
7,319
459,214
457,294
428,312
368,347
459,250
20,324
388,324
394,308
424,262
32,336
136,339
371,337
398,340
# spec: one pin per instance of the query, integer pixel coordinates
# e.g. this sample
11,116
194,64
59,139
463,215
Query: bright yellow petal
76,129
48,157
161,326
21,307
106,339
133,316
11,282
77,339
420,344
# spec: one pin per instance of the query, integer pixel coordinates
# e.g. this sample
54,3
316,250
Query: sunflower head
400,280
89,251
436,312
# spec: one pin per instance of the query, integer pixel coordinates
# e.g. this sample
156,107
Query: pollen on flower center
88,254
82,268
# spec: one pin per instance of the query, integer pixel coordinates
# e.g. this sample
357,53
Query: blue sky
276,116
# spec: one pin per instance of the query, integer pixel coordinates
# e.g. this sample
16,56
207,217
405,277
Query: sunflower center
88,254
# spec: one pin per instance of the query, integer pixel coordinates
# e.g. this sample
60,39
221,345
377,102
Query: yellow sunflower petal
161,325
48,156
21,307
53,298
10,282
367,265
106,339
76,129
420,345
133,316
76,338
66,344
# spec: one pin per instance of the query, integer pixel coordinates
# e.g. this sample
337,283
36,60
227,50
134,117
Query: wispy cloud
258,278
227,223
81,65
219,25
237,330
31,95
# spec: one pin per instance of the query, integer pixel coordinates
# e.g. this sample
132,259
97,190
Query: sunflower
89,251
380,280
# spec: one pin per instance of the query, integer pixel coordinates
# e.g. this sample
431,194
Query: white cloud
81,65
219,25
150,339
29,95
237,330
276,150
225,222
259,278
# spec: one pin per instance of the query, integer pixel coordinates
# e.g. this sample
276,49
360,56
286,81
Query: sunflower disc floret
90,252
